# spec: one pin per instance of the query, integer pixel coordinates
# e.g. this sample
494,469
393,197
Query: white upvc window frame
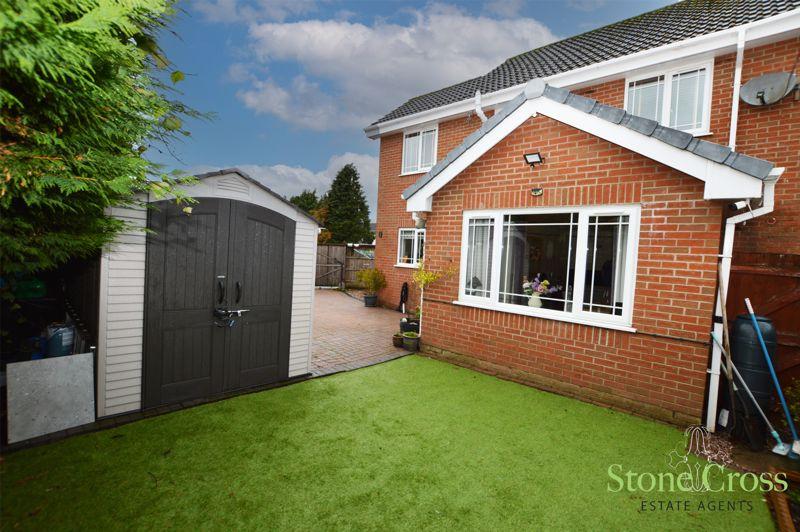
421,130
669,72
415,258
577,315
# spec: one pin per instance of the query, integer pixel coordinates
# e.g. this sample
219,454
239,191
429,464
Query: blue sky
294,82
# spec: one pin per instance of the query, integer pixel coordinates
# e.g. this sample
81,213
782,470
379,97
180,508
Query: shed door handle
220,292
238,291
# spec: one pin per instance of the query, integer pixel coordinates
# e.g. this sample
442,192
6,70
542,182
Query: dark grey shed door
227,255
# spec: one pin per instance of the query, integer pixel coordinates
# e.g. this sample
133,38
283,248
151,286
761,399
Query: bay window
419,150
410,247
679,98
572,264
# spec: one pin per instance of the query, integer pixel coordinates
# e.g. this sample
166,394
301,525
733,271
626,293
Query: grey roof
259,184
673,23
752,166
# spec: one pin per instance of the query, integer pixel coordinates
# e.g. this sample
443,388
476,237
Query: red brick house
644,149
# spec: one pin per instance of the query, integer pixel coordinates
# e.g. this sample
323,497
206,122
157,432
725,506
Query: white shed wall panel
305,258
122,286
119,367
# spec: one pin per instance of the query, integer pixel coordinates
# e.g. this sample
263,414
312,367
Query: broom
796,445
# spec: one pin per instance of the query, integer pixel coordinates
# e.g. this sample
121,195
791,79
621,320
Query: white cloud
353,73
505,8
586,5
302,104
291,180
238,10
239,73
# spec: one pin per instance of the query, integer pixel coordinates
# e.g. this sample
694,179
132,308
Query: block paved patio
348,335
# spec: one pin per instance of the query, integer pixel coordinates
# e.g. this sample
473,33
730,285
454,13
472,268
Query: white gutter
767,207
737,83
478,109
760,32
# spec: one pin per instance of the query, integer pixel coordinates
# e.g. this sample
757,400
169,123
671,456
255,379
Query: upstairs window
679,98
419,150
410,247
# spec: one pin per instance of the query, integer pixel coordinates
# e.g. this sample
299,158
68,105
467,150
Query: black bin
749,359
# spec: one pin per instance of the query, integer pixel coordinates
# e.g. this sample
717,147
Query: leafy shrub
372,279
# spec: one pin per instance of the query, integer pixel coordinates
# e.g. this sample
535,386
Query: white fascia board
421,200
772,29
722,182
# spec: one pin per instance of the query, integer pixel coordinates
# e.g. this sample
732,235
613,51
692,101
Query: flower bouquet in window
536,289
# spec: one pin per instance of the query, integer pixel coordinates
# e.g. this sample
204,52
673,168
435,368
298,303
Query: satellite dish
768,89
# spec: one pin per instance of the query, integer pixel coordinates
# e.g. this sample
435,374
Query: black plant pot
411,344
370,301
397,340
409,326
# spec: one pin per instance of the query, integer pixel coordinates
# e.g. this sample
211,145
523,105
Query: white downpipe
725,267
421,301
737,84
478,109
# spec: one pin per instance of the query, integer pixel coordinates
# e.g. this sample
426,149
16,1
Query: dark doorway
202,268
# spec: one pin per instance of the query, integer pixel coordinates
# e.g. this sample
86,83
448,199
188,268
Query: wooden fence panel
772,282
354,265
330,264
337,265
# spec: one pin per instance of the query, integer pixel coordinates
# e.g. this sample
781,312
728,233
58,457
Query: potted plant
410,323
411,341
373,280
397,339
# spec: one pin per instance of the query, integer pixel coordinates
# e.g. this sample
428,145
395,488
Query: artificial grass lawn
410,444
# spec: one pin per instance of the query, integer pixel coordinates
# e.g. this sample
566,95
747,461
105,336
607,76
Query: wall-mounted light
533,158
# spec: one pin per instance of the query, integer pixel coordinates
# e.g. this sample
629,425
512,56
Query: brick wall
392,213
679,241
771,133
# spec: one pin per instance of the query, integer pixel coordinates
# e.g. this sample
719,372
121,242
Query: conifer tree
348,213
81,100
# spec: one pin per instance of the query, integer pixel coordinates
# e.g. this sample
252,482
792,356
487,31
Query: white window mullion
497,253
594,260
569,258
582,245
631,252
505,250
618,266
667,102
462,281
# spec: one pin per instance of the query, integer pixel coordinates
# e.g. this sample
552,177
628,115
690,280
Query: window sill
416,172
704,133
527,311
404,265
